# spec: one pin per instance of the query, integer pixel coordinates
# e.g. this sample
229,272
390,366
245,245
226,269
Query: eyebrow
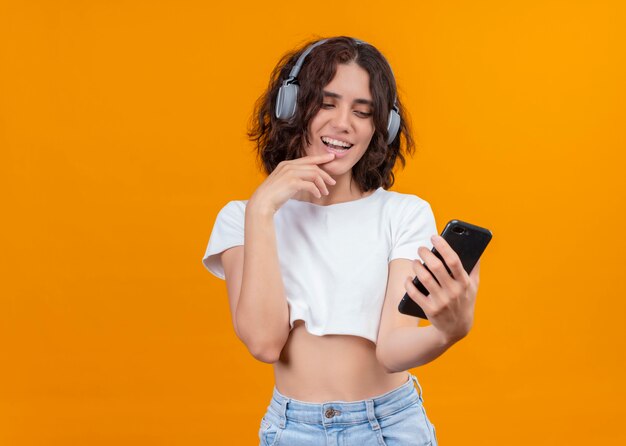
356,101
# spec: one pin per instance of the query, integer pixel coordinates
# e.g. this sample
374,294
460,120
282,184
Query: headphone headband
296,68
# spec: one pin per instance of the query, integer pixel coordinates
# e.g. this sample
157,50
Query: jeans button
329,413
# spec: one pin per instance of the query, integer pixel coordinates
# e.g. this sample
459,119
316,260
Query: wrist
259,209
448,339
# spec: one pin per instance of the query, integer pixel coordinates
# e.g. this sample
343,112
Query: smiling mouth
336,145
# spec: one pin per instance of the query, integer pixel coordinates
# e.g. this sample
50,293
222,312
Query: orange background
122,134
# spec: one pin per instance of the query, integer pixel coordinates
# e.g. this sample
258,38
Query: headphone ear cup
286,101
393,125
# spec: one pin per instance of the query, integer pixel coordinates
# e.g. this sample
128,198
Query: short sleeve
228,231
415,224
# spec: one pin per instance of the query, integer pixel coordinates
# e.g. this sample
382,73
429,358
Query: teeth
336,142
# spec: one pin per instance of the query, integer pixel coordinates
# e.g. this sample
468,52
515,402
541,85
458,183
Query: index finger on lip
321,159
316,158
449,256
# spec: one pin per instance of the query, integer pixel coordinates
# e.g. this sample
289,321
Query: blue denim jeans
396,418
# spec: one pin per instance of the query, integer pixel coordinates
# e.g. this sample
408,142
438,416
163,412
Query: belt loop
371,416
414,378
283,412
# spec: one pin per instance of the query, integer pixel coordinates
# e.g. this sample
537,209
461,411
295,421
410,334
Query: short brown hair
277,140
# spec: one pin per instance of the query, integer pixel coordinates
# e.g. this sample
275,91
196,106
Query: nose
341,118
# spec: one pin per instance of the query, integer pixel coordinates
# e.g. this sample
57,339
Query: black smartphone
468,241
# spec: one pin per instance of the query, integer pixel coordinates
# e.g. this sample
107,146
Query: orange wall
122,134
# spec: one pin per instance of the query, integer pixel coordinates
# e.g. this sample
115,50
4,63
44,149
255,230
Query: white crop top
334,259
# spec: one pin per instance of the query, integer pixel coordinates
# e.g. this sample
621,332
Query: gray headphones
288,95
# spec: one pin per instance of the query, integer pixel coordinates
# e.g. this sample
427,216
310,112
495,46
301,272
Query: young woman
317,260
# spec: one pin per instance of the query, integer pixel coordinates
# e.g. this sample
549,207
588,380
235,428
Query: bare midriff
318,369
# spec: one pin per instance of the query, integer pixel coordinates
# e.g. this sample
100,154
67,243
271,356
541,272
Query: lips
336,144
339,153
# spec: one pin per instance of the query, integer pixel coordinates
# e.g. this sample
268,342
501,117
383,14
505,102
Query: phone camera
459,230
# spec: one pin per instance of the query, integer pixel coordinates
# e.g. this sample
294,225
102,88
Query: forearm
408,347
262,313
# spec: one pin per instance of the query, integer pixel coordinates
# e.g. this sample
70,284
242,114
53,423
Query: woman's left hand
450,304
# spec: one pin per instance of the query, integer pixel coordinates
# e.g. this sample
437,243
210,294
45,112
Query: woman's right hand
291,177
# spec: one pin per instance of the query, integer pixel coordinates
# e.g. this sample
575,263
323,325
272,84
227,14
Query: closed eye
360,113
